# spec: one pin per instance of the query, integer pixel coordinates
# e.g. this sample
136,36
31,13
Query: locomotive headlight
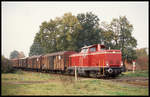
107,64
121,64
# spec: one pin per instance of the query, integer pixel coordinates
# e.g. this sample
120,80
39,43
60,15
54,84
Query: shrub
142,60
6,66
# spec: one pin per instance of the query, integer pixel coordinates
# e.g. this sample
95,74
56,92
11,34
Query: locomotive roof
93,45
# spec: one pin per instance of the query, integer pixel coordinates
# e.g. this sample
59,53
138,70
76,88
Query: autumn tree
14,54
59,34
107,35
141,52
69,32
21,55
90,32
142,57
120,32
36,49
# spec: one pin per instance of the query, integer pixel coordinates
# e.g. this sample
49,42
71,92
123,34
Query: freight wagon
34,62
15,62
58,61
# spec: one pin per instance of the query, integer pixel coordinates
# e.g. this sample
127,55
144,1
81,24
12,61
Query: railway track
71,75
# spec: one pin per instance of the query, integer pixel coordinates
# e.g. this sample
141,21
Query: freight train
92,60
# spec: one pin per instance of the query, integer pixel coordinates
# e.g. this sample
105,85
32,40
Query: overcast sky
21,20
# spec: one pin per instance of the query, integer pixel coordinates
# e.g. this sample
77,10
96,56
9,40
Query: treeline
142,57
6,65
16,54
71,32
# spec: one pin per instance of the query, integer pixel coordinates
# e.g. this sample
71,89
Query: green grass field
139,73
29,83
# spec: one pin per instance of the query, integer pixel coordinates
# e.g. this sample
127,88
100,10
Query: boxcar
22,63
34,62
56,61
15,62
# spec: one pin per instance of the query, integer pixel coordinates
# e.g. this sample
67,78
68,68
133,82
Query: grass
143,73
28,83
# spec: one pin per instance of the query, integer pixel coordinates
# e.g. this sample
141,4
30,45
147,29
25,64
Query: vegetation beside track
32,83
139,73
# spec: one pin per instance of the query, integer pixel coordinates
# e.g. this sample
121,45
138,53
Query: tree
69,32
106,35
48,34
59,34
90,32
6,65
141,52
14,54
21,55
122,38
142,58
36,49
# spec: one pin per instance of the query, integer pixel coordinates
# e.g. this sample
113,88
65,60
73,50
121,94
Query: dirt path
142,81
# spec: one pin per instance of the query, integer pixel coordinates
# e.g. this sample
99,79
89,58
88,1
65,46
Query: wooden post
133,68
75,73
99,67
103,67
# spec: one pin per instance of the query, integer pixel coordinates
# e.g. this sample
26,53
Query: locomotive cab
92,48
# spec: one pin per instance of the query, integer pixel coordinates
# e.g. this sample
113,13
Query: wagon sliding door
51,62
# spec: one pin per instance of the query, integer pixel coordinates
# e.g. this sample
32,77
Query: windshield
84,50
93,49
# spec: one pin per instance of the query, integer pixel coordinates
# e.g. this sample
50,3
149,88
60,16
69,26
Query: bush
6,66
142,60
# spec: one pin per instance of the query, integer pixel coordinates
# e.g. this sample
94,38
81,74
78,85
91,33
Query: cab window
93,49
103,48
84,50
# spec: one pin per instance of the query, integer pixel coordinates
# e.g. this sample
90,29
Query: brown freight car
22,63
34,62
15,62
56,61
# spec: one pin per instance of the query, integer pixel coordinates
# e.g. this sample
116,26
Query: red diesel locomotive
93,59
97,60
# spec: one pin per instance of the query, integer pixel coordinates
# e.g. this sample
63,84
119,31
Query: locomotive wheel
87,73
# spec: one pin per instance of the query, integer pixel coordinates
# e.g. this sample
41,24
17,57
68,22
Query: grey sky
21,20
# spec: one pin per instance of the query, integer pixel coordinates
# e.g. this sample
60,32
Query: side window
103,47
93,49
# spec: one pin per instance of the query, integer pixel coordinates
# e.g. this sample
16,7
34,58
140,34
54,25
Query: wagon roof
23,58
14,59
58,53
18,58
35,56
